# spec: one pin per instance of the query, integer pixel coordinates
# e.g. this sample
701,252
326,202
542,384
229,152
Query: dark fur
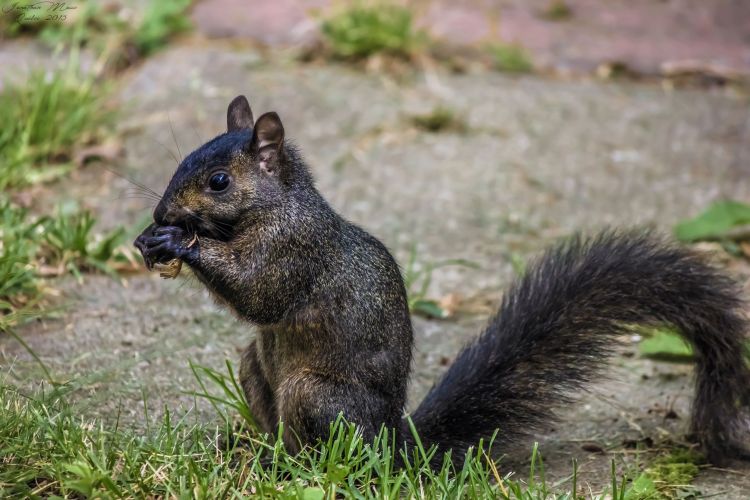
558,324
334,328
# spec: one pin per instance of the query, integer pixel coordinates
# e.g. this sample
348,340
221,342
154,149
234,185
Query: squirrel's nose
168,216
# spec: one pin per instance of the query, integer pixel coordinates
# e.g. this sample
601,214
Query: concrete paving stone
539,160
648,36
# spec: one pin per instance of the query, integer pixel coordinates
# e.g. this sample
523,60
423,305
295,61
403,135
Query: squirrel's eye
218,182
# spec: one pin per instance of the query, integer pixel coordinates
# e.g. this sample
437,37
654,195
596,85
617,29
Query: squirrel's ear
239,114
268,140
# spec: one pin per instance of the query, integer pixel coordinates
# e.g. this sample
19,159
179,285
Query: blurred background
465,135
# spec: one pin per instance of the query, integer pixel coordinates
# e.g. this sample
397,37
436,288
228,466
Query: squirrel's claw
140,244
160,244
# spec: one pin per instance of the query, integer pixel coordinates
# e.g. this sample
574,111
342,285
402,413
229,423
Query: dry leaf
745,247
171,269
450,303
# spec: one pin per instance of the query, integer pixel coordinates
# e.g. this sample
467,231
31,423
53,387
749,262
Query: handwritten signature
43,10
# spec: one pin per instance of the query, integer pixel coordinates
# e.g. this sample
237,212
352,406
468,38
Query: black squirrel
334,331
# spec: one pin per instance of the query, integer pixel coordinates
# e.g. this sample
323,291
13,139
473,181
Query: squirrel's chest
216,295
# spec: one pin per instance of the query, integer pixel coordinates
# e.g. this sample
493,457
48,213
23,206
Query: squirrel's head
247,169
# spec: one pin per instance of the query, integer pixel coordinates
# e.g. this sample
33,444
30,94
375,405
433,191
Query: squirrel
334,333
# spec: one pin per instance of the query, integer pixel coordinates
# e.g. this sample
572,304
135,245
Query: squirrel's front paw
161,244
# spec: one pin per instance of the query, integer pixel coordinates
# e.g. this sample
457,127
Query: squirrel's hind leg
257,391
309,403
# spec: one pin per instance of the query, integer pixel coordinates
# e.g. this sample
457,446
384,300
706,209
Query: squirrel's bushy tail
557,325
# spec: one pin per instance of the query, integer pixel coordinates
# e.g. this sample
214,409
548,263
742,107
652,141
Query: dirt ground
539,159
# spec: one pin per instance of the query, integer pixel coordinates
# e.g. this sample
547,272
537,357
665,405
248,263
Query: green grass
68,242
668,476
716,223
45,120
18,282
557,10
510,58
440,119
161,21
47,449
34,247
363,29
665,344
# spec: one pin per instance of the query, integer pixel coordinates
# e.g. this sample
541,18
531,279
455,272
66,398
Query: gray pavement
540,159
